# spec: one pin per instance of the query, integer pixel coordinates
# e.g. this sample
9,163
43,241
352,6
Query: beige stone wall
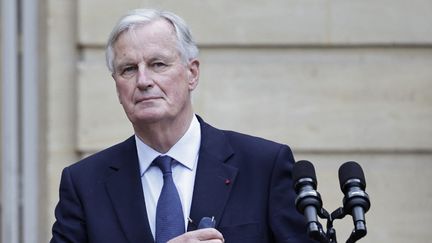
61,97
337,80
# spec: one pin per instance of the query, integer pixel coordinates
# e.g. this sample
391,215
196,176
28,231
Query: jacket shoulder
106,157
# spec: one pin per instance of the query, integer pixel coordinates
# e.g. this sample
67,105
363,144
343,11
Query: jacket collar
214,177
125,191
213,183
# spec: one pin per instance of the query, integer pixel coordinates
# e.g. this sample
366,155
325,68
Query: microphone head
351,170
304,169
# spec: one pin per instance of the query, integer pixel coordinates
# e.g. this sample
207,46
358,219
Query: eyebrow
164,56
120,65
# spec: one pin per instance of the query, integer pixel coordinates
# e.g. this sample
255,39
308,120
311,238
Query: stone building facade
337,80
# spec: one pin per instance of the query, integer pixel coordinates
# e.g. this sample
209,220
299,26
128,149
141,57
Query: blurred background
337,80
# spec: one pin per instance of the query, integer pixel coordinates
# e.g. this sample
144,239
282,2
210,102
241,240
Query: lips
144,99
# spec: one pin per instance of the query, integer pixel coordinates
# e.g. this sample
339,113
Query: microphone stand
359,230
316,232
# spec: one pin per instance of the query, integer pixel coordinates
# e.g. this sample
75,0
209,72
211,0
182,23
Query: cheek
124,92
182,93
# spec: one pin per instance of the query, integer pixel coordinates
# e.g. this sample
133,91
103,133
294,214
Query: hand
208,235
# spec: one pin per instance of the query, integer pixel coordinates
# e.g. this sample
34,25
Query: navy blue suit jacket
244,182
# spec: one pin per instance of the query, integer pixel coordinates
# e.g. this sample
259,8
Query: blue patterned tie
169,214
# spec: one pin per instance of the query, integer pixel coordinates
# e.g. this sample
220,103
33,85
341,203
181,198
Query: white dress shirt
185,151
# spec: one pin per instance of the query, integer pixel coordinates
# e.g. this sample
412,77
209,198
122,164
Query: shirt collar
185,151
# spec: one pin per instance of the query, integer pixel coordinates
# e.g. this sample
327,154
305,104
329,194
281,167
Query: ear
193,74
118,93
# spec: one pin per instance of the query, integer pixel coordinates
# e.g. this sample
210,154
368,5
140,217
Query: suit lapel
214,178
213,182
125,191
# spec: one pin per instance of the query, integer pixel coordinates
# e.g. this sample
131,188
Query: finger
213,241
208,234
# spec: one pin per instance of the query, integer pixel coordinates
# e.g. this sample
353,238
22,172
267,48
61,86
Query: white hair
186,46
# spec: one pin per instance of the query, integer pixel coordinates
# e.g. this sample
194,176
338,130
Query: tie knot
164,163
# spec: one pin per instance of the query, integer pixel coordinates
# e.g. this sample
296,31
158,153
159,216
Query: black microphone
308,201
356,201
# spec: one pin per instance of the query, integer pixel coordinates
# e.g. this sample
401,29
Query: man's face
153,83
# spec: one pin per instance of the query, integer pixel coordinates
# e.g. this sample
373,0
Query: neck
162,135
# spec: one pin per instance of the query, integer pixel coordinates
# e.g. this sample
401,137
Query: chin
147,117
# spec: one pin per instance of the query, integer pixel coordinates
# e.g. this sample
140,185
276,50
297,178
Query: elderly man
157,185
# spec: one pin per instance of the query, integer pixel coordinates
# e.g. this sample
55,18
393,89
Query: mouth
147,99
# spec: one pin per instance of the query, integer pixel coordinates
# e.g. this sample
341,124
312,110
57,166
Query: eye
128,71
158,66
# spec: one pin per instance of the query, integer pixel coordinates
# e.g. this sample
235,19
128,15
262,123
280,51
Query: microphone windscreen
304,169
351,170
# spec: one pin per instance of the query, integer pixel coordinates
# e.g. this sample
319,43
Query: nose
144,80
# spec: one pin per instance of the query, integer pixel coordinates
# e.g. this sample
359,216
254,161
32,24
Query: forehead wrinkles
162,33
